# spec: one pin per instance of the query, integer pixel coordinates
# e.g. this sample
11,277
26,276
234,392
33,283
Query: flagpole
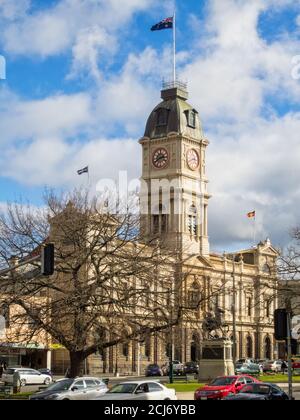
174,46
254,230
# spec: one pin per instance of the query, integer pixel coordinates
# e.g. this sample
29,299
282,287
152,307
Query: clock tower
174,193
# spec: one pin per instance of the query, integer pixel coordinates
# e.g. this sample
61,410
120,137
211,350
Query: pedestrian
284,367
1,369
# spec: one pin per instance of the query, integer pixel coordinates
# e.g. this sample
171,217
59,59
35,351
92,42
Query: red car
296,364
222,386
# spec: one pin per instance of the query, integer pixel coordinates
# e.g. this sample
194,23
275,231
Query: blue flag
164,24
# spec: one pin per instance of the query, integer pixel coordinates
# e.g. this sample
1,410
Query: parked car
222,386
45,371
267,365
154,370
85,388
261,391
276,366
242,361
191,367
178,368
27,377
296,364
249,369
142,390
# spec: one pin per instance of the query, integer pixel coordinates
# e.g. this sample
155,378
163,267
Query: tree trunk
76,362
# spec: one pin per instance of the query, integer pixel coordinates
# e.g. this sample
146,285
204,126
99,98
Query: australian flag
83,171
164,24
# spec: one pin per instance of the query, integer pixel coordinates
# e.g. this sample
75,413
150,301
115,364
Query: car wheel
47,381
167,399
23,382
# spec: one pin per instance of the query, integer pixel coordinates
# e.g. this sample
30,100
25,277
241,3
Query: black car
153,370
191,367
259,391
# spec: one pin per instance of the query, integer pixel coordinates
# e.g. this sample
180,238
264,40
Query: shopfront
30,355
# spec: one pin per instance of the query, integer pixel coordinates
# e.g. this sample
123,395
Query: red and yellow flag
251,215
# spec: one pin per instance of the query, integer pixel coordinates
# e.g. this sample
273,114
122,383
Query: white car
140,390
27,377
276,366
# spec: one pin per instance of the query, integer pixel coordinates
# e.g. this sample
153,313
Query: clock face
192,159
160,158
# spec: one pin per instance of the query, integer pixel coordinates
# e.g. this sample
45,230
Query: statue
214,326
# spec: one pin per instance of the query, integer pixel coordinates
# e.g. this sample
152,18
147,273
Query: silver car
85,388
140,390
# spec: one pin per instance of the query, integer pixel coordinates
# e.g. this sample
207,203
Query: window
192,220
191,118
162,117
160,220
154,387
156,224
125,350
79,385
148,347
249,347
249,306
90,383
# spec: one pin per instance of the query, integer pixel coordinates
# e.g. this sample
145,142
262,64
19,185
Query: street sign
296,327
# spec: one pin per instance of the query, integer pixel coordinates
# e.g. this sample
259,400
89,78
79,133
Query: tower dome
174,114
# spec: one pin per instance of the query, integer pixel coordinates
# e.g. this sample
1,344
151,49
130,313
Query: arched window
125,350
192,220
268,348
268,306
249,345
159,220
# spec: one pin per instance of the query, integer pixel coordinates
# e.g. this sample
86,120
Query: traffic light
47,261
280,318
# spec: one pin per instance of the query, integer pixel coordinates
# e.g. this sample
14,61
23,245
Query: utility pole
289,349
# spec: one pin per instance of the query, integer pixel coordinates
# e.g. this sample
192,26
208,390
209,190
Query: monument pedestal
216,359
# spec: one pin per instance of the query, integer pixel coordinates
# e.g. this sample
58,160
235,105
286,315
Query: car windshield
61,385
256,389
153,366
223,381
123,389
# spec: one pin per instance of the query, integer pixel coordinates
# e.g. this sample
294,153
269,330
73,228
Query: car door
155,392
37,377
78,390
93,389
141,393
240,383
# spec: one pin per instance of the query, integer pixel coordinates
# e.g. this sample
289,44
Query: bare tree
109,287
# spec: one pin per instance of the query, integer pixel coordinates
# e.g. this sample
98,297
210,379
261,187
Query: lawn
279,379
21,396
180,387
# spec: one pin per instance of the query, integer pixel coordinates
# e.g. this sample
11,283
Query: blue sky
83,75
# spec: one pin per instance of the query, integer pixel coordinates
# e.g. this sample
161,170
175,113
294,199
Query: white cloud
12,9
61,114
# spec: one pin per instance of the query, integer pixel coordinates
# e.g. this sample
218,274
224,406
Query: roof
177,110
